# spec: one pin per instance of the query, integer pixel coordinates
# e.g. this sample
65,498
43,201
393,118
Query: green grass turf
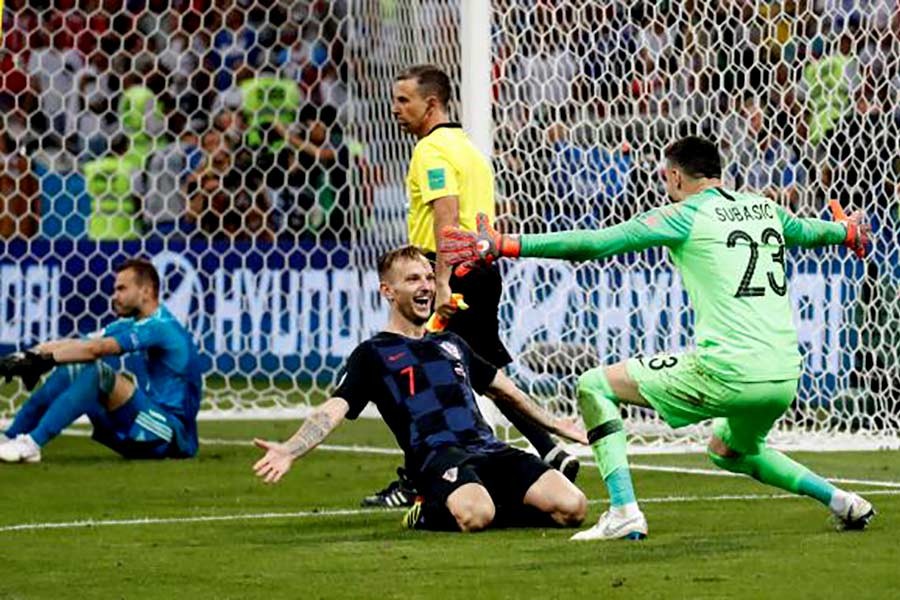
764,548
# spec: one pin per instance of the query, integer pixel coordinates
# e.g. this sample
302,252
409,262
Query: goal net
801,97
248,149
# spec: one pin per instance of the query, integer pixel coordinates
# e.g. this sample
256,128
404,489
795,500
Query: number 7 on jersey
408,371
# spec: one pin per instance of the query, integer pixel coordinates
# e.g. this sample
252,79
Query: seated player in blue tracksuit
150,412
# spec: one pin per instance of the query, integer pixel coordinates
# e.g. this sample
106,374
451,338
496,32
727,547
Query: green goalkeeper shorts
683,394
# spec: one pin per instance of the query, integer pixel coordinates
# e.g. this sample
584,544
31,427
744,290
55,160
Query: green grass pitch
710,537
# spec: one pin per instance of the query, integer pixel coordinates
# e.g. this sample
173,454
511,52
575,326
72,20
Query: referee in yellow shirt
448,183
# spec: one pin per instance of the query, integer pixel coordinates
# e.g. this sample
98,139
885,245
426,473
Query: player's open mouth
422,301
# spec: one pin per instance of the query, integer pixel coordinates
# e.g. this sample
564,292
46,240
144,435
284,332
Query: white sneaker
856,516
20,449
614,526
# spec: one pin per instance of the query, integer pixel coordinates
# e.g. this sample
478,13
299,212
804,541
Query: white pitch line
92,523
633,467
89,523
742,497
718,473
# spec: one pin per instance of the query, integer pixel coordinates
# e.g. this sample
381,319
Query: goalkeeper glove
459,247
28,365
438,323
858,229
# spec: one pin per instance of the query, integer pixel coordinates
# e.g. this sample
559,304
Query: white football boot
615,525
20,449
856,515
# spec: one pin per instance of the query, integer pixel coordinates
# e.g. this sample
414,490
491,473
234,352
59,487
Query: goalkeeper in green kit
730,250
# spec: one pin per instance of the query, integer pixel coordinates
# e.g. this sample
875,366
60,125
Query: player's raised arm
664,226
502,389
852,231
280,457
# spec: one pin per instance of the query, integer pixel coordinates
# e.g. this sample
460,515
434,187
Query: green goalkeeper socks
606,434
774,468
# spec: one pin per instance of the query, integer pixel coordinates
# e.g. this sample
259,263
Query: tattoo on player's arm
315,429
536,412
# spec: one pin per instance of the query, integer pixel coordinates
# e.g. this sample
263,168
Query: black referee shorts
506,474
479,326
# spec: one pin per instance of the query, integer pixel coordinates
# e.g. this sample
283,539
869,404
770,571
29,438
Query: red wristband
510,246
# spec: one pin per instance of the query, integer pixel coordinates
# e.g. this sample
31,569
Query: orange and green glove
437,323
858,229
486,244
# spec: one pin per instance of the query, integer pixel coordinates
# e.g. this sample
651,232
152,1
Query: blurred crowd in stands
174,117
227,118
802,96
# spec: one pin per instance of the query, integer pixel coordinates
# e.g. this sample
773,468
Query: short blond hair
386,261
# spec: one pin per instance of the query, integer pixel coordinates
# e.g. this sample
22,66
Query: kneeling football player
424,384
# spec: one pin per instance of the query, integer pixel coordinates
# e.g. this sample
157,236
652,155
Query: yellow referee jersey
446,163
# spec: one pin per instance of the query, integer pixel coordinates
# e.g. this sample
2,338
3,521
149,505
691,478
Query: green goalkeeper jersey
730,250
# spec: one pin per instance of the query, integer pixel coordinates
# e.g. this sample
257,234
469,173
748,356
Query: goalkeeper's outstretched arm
640,233
664,226
851,231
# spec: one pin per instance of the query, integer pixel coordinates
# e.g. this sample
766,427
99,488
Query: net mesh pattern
249,150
